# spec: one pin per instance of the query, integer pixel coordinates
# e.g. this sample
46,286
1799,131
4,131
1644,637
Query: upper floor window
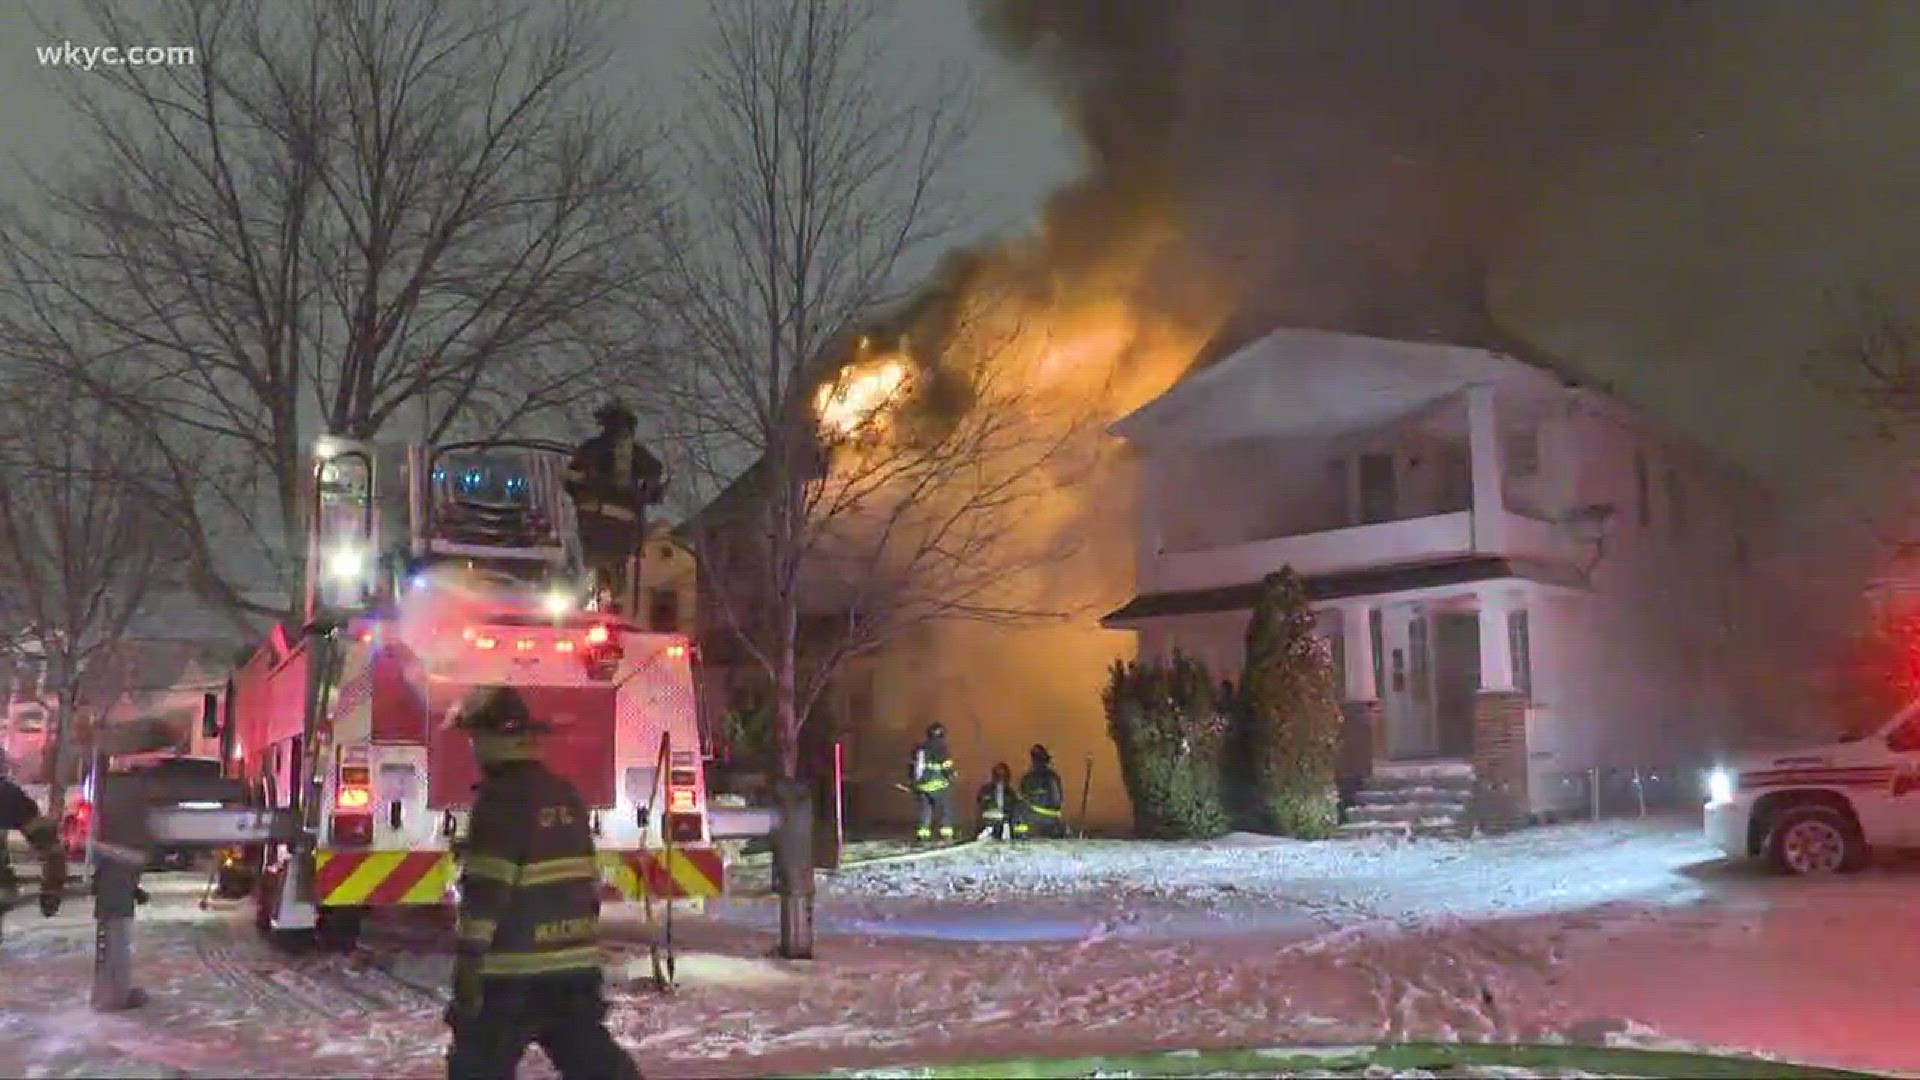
1520,642
1642,490
1523,454
663,610
1676,503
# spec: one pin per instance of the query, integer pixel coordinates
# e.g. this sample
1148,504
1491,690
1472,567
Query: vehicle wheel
234,883
1811,840
338,930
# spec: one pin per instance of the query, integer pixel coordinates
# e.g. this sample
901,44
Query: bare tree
347,214
1870,361
84,544
882,487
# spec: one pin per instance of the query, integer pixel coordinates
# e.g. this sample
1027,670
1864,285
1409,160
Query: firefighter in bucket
612,480
528,966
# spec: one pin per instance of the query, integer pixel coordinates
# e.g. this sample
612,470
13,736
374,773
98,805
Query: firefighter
528,966
1042,799
931,777
998,803
19,812
612,480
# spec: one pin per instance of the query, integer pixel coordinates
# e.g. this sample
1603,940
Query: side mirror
210,716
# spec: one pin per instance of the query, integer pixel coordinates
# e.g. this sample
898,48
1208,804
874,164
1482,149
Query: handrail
663,975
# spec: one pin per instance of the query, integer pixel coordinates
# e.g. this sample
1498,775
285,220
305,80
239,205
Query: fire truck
431,570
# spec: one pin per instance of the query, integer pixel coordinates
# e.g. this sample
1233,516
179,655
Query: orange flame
858,400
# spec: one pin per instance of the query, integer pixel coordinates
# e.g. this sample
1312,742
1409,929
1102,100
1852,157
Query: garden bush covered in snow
1292,713
1168,731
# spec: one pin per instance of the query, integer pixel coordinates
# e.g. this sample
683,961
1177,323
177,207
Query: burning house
1261,330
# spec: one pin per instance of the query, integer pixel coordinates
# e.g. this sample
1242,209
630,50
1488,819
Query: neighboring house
669,583
140,681
1516,573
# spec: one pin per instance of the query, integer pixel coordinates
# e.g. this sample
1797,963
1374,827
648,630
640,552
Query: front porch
1435,665
1441,675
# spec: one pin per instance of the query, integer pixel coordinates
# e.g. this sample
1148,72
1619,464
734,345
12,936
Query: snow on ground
1607,932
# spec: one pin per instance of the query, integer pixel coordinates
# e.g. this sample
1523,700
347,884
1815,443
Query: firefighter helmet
1039,754
936,731
615,415
495,710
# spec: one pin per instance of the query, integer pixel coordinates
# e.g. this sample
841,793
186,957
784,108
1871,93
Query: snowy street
1630,932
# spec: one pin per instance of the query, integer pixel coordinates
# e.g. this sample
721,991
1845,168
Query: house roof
1315,383
1342,586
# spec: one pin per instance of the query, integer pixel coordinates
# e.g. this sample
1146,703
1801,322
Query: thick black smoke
1349,163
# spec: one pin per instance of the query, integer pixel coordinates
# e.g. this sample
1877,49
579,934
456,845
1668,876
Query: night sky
1723,167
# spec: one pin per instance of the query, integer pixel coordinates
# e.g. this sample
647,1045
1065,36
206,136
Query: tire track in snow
330,988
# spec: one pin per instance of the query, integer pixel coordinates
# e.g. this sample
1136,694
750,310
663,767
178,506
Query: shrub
1292,713
1169,733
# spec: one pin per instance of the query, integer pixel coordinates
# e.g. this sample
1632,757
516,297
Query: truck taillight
684,821
485,642
353,829
354,793
676,651
686,828
563,645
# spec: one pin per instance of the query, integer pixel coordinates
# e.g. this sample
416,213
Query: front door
1456,681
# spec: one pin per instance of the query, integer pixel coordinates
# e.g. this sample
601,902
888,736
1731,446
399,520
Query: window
1421,657
663,610
31,675
1520,641
1905,739
1642,492
1375,627
1523,454
1676,504
1377,494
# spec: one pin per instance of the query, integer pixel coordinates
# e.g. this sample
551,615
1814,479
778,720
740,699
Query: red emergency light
598,635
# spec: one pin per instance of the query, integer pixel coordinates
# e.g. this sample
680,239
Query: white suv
1822,809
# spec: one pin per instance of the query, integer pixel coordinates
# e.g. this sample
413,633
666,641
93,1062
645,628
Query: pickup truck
78,822
1821,809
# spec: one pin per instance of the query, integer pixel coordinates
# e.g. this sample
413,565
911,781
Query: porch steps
1414,799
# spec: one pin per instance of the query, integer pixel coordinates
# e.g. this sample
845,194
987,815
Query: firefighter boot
946,834
113,989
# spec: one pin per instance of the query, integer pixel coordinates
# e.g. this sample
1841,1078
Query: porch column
1496,645
1483,444
1501,800
1356,622
1362,735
